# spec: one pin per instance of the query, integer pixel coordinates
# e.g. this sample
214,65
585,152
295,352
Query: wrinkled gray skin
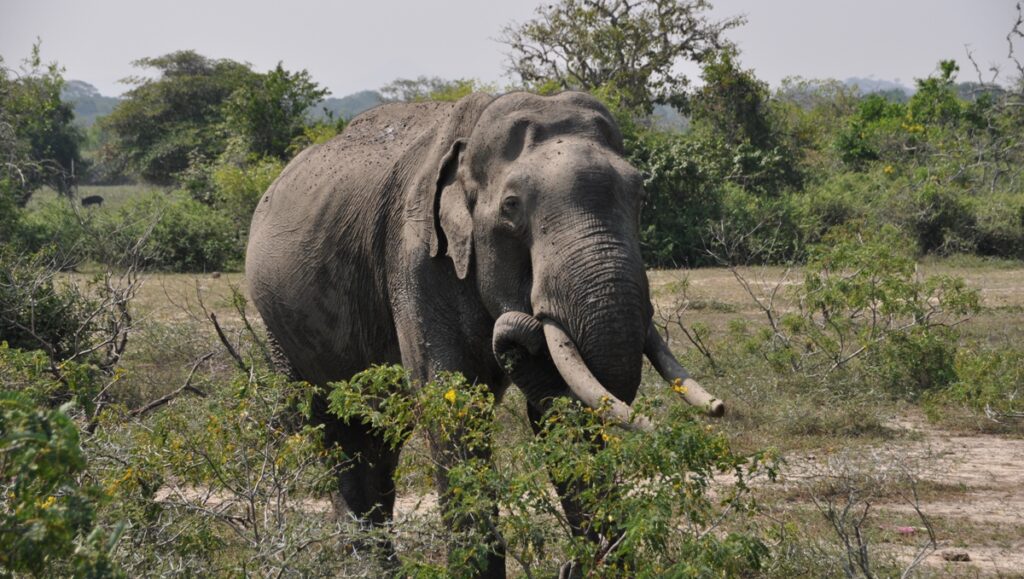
443,236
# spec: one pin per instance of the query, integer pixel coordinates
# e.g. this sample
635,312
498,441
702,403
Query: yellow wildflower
450,396
888,170
677,386
49,502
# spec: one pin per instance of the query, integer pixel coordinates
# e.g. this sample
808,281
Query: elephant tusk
666,364
582,382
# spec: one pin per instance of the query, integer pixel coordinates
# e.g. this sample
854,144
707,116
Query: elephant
444,236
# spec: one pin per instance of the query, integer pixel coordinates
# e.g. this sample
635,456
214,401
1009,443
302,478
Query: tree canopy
39,145
270,112
164,122
632,45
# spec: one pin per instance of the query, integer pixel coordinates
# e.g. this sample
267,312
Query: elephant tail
280,360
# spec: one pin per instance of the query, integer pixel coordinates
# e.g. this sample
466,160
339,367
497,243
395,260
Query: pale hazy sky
353,45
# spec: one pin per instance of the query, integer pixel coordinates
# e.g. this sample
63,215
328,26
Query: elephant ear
453,223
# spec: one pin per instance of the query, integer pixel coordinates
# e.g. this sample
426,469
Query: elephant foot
570,570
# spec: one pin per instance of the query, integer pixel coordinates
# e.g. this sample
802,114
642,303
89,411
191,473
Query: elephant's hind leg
366,484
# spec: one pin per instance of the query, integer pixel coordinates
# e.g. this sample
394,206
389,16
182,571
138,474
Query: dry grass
114,196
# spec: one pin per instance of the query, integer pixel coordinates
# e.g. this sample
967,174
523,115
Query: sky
348,46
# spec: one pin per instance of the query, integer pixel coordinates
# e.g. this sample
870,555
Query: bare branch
227,344
186,387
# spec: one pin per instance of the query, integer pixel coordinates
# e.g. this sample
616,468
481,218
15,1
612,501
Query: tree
733,103
270,113
166,123
633,45
39,144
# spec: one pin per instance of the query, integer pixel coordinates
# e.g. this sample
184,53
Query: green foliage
36,310
988,380
179,233
681,178
237,189
863,311
270,112
939,168
54,226
733,103
936,100
47,512
163,123
647,494
227,484
633,46
318,133
703,194
39,144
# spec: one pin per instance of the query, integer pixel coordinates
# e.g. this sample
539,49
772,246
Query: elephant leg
366,485
579,521
479,527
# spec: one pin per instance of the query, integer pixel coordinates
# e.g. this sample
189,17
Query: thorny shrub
862,304
647,495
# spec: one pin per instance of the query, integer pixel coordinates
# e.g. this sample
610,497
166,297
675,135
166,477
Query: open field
967,471
114,196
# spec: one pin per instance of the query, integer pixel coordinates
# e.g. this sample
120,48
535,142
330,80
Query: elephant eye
510,206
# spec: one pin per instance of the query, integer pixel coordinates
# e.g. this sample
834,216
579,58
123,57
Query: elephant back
323,233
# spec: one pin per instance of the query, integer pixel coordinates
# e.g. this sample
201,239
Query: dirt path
971,489
988,516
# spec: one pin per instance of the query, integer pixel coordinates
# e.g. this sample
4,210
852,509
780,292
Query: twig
187,386
932,544
227,344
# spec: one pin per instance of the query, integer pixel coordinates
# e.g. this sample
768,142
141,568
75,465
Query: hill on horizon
87,101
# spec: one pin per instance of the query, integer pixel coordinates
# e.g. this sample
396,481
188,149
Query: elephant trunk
595,289
519,347
583,383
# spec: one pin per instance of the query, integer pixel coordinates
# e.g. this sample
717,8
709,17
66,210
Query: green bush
55,226
999,225
911,363
755,229
48,520
646,493
223,481
36,310
180,234
989,380
237,188
864,315
681,178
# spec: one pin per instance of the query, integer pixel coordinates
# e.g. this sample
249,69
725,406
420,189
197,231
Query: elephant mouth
546,337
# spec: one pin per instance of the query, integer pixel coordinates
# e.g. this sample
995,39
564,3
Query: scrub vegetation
853,290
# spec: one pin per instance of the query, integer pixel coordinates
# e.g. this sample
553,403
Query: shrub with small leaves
47,511
649,511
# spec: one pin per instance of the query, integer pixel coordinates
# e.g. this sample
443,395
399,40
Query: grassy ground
114,196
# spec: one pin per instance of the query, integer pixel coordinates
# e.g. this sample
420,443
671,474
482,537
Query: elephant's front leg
475,546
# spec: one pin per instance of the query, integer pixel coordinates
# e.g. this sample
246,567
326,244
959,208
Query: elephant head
540,209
